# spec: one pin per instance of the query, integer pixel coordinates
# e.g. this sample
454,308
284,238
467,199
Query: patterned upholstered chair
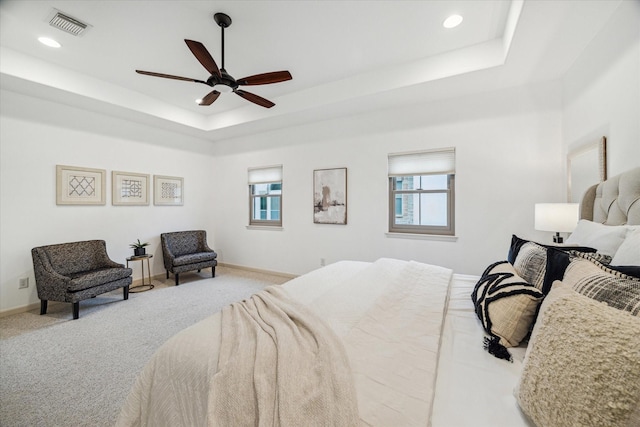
187,251
72,272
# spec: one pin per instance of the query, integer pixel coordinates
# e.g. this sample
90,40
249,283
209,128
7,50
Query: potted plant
138,248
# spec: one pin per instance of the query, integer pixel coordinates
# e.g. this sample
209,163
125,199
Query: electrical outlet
322,262
24,283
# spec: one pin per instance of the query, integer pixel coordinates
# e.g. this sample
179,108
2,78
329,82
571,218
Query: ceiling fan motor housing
224,79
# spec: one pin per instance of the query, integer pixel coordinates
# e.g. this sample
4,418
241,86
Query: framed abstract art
80,186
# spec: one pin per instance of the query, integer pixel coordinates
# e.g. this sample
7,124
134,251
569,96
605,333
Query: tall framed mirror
586,166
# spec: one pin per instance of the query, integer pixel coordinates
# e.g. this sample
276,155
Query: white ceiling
346,57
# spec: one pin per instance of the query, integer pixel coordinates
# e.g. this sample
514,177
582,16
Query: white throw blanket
388,314
280,365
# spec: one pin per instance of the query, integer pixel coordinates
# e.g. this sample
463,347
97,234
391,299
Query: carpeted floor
55,371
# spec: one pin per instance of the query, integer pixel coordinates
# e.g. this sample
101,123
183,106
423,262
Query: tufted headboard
615,201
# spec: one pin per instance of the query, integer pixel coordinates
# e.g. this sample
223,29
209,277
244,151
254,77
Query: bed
402,343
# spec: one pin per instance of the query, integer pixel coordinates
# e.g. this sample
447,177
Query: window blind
265,174
431,162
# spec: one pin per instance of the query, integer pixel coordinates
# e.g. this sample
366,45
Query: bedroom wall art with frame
168,190
129,189
586,165
80,186
330,196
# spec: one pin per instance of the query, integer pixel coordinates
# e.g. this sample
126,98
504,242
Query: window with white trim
421,192
265,196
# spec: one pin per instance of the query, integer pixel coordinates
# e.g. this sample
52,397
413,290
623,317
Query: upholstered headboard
615,201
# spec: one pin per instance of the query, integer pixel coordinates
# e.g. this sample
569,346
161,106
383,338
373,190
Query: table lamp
556,217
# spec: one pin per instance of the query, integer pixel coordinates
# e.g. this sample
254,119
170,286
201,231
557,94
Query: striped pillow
505,304
531,264
601,283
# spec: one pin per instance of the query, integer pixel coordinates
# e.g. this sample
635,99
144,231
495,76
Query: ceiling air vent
67,24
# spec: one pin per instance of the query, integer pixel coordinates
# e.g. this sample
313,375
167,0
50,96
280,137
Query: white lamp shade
556,217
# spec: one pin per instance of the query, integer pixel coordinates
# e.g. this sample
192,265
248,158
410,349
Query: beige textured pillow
582,366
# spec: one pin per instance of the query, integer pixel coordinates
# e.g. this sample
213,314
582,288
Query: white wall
511,147
31,148
601,91
508,157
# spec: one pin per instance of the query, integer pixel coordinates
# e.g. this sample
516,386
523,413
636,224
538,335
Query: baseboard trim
258,270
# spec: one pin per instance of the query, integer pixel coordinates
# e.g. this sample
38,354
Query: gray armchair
72,272
186,251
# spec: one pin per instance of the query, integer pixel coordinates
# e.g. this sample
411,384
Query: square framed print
168,190
330,196
129,189
80,186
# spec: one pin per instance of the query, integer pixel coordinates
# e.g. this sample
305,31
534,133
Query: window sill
265,227
416,236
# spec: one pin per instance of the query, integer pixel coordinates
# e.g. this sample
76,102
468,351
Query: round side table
144,286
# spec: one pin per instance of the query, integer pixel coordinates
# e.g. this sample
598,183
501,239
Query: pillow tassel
493,346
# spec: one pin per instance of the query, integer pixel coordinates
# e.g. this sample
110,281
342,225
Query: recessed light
452,21
49,42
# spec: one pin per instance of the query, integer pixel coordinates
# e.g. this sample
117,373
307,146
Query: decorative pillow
559,260
629,251
517,243
605,238
531,263
506,305
582,365
629,270
600,283
530,260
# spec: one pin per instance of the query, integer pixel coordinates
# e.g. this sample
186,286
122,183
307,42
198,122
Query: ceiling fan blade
202,54
169,76
210,97
255,98
265,78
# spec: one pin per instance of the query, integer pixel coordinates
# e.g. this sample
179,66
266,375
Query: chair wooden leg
76,310
199,270
125,292
177,278
167,274
213,272
43,306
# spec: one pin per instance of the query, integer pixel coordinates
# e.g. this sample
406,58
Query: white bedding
473,387
405,372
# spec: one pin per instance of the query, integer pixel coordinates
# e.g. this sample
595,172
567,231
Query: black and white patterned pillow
506,305
604,284
517,243
530,260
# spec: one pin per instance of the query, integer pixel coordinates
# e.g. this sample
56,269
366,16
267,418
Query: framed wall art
330,196
168,190
129,189
80,186
586,166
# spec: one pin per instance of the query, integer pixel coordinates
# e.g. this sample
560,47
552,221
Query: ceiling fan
219,78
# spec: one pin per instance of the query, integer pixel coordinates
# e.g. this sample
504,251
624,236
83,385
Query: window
265,196
421,192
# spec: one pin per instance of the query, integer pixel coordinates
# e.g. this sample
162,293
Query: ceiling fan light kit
219,79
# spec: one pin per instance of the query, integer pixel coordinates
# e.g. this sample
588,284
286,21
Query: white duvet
389,315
